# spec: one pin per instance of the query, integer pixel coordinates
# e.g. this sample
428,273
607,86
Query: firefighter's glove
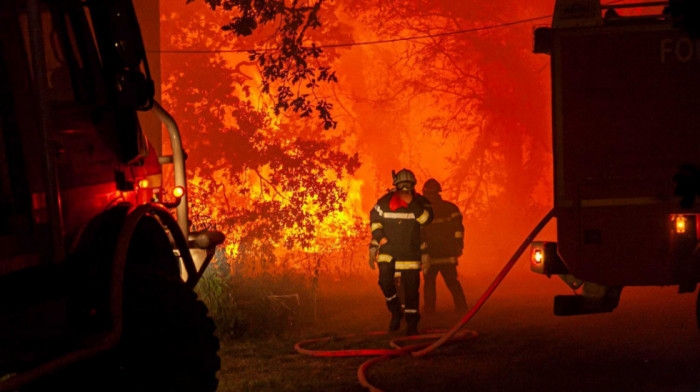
425,261
372,256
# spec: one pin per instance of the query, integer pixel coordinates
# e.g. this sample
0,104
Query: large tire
168,341
167,344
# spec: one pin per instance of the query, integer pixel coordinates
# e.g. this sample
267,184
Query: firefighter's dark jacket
402,228
445,234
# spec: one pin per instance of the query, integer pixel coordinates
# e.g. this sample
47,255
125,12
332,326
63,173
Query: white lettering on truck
682,49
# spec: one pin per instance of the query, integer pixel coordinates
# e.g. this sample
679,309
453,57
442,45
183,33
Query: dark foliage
286,65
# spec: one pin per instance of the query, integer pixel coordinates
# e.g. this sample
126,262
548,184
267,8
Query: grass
255,306
268,361
260,319
273,365
521,345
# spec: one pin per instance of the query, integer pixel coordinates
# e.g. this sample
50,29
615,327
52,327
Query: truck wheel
168,340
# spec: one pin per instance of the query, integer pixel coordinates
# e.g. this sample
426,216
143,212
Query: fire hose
421,349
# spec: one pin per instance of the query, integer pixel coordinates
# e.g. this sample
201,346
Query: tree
266,180
485,89
291,63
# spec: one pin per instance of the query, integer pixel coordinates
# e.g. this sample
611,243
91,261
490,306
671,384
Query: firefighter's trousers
410,280
449,274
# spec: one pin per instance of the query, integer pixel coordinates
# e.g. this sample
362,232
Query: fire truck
96,272
626,143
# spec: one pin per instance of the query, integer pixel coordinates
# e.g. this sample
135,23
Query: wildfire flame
471,110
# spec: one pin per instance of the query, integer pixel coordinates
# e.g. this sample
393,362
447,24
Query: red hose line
419,350
488,291
462,335
362,370
346,353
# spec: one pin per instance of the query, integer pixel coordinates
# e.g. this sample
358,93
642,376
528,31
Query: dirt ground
650,343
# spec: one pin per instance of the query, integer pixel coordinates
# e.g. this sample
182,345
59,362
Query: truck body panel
625,120
85,228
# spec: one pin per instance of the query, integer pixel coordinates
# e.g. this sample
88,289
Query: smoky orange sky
471,110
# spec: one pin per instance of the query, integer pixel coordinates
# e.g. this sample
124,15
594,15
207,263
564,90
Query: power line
381,41
384,41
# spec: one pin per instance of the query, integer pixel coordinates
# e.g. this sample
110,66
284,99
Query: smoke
471,110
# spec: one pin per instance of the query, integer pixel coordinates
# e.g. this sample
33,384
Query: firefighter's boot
396,315
412,323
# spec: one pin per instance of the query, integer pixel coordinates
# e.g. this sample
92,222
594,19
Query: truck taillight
684,226
681,223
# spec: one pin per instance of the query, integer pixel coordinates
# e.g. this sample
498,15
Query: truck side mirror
123,55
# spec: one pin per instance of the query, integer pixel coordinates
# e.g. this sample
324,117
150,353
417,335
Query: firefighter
396,222
444,238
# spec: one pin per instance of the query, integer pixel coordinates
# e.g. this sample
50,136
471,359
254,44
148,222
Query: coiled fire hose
419,350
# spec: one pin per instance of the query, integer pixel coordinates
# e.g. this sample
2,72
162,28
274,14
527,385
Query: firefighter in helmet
445,240
396,222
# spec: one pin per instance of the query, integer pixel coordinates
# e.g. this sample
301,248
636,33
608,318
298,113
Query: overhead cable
379,41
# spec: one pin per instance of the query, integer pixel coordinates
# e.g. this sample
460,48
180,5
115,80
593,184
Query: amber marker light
681,224
143,183
178,191
537,256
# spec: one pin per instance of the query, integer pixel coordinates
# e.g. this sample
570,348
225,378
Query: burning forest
322,148
291,183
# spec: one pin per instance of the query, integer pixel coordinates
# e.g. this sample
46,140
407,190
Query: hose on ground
421,349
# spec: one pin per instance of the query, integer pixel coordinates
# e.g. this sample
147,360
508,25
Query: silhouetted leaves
483,86
266,181
284,62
